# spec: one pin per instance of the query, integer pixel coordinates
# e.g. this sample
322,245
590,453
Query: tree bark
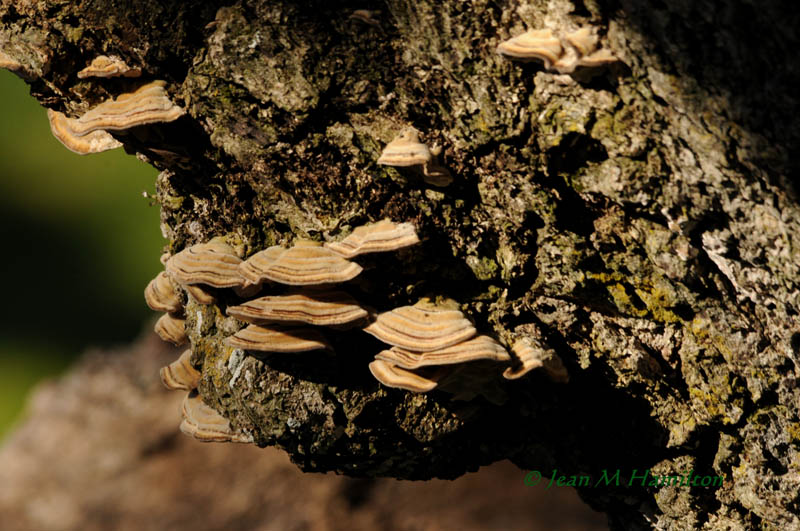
643,223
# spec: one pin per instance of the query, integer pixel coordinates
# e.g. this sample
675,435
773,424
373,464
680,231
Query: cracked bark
643,223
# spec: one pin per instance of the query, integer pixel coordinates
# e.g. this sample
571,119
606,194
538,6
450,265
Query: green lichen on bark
640,222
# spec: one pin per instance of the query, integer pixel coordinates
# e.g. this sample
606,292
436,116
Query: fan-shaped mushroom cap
584,40
533,44
213,263
532,355
161,296
148,104
180,375
405,150
94,142
304,264
392,376
278,339
422,328
205,424
312,306
171,329
199,294
384,235
477,348
108,66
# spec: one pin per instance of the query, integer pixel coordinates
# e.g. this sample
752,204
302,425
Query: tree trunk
640,220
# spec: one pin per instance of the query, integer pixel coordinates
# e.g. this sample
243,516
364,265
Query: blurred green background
80,243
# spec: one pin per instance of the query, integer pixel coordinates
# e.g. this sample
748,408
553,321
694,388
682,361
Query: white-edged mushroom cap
533,44
405,150
278,339
172,329
94,142
148,104
204,423
306,263
477,348
161,295
422,328
108,66
313,306
392,376
385,235
213,263
180,374
531,355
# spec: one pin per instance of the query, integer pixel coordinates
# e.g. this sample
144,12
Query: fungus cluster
148,104
579,48
406,150
429,341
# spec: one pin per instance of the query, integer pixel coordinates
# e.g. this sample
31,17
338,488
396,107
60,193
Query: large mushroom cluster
429,340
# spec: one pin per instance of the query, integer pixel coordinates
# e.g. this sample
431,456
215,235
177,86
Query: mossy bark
643,222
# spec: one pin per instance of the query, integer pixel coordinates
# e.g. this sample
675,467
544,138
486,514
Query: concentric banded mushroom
392,376
172,329
312,306
405,150
278,339
205,424
306,263
94,142
422,328
532,355
477,348
148,104
180,375
199,294
213,264
161,296
533,44
108,66
377,237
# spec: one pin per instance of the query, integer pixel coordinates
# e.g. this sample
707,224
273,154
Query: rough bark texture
643,223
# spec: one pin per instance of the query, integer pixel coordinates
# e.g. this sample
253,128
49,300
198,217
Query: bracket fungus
94,142
422,328
306,263
564,55
180,375
393,376
172,329
477,348
406,150
108,66
205,424
161,296
312,306
531,355
278,339
213,263
382,236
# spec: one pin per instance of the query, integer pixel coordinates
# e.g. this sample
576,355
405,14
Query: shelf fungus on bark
383,236
306,263
398,378
94,142
172,329
320,307
531,354
148,104
423,327
278,339
161,296
406,150
576,49
477,348
213,263
108,66
180,375
205,424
